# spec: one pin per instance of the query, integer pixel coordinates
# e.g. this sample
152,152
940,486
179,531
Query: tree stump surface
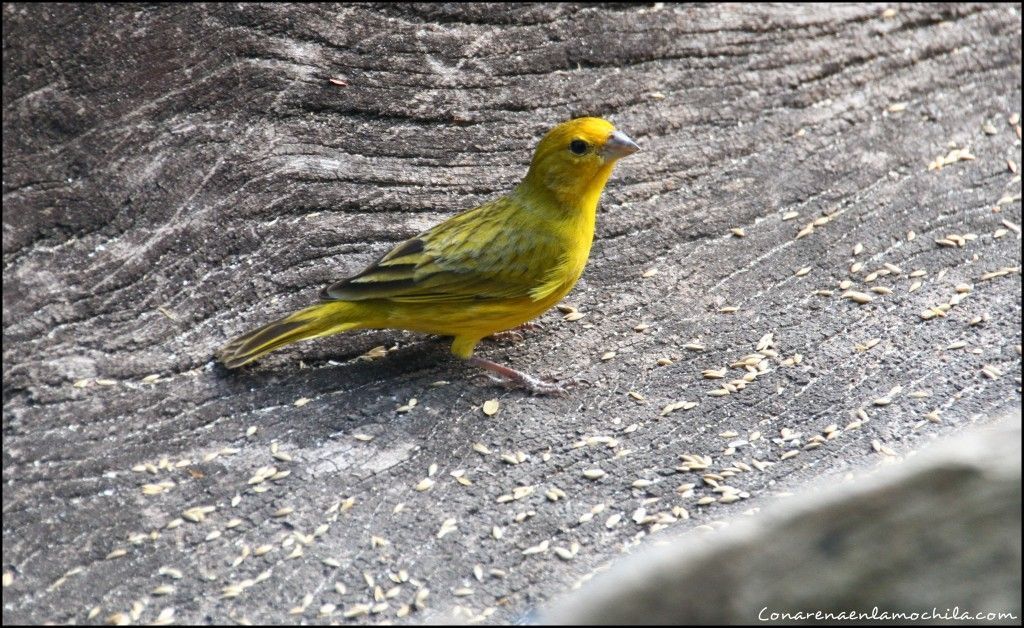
175,175
886,544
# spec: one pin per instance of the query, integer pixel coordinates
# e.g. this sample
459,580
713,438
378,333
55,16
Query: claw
511,377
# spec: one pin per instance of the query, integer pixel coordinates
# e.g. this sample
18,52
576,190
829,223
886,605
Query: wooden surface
176,175
877,546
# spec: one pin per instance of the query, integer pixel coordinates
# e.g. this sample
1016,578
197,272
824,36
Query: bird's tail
322,319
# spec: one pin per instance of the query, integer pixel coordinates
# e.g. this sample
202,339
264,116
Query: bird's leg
525,380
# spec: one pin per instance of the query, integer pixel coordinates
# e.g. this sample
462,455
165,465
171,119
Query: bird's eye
578,147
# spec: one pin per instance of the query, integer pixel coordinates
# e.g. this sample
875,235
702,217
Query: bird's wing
490,252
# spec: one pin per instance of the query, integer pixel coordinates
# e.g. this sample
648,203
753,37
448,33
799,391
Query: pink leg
529,382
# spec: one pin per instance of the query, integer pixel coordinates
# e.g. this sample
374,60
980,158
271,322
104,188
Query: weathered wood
174,175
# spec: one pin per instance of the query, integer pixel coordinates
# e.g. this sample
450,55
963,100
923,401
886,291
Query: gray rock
938,536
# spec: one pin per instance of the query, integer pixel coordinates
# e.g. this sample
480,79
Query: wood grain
174,175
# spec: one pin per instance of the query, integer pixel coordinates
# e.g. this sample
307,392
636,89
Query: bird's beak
619,145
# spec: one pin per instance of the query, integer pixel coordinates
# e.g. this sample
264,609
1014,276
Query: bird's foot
518,379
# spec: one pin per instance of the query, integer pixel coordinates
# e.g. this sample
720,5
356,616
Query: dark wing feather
479,254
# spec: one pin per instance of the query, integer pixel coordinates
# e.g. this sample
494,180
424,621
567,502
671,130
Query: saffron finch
483,271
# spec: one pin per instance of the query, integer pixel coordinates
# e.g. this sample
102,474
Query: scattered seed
540,548
866,346
678,405
991,372
857,297
554,494
356,610
447,527
164,618
374,354
513,459
882,449
171,572
156,489
953,156
1002,272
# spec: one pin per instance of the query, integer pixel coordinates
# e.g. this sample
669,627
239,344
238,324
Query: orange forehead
592,130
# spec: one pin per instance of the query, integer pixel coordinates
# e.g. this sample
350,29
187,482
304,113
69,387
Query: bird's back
493,267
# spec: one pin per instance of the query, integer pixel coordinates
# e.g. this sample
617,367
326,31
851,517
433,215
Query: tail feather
319,320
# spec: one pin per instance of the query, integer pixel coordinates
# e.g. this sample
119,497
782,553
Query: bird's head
574,160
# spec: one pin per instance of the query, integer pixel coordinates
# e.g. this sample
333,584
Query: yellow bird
486,270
